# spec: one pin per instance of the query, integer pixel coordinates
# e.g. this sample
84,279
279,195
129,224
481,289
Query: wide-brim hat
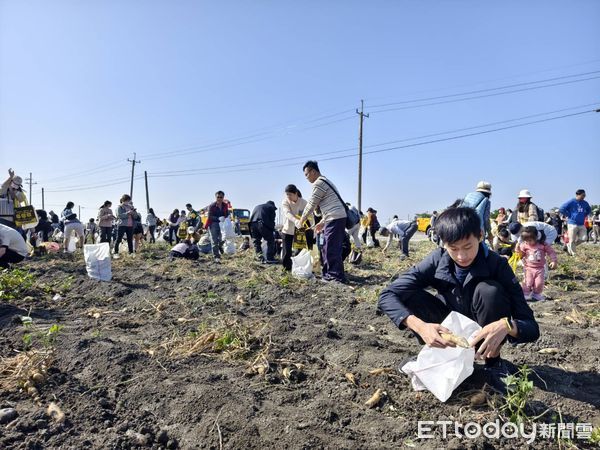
18,181
524,193
485,187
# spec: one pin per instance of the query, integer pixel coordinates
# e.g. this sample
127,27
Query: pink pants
534,280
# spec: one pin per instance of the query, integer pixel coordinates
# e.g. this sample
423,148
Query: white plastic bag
370,242
441,370
264,247
229,248
97,261
73,239
302,265
227,229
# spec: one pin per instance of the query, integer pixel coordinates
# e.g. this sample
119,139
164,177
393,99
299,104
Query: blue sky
215,89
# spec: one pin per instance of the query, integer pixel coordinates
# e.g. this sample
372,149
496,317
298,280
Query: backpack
540,213
476,201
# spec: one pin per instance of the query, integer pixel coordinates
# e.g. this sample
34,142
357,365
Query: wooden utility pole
147,196
30,180
133,163
43,199
360,151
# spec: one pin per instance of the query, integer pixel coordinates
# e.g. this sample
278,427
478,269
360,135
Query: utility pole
133,163
79,212
43,199
360,151
30,180
147,196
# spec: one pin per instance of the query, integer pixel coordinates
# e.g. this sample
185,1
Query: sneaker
496,371
538,297
116,256
218,260
403,257
528,296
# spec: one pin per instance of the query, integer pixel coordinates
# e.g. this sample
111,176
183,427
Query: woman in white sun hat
526,210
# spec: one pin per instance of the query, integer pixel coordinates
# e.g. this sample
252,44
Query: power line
265,136
100,168
269,163
495,80
205,169
225,144
90,187
479,91
483,96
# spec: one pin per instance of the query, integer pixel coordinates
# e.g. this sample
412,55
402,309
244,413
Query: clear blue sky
189,85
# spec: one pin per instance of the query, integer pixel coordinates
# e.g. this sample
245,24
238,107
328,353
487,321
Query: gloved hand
297,223
221,219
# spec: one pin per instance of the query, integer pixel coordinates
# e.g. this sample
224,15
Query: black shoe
496,371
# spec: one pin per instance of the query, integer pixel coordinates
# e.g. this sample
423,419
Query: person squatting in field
471,279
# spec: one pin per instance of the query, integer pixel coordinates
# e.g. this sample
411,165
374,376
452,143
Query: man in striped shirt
333,223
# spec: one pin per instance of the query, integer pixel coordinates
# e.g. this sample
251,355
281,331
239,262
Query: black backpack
540,213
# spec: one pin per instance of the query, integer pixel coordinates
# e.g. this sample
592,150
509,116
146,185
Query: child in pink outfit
534,253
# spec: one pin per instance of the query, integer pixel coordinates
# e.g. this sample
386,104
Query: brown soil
197,355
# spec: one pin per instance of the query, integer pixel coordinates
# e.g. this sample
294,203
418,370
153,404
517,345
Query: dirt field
197,355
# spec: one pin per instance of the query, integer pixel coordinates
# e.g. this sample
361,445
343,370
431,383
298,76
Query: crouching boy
471,280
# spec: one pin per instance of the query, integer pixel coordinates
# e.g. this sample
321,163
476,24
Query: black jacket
264,214
436,271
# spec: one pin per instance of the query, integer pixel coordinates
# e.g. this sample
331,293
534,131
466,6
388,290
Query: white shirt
290,210
548,230
13,240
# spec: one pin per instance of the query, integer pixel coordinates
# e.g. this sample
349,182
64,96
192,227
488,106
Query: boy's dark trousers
490,304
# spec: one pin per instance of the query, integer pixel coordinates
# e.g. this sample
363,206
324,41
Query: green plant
228,340
14,282
285,280
519,389
595,436
66,284
49,337
46,338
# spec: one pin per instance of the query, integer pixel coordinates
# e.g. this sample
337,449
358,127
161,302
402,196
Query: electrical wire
312,155
481,96
288,160
479,91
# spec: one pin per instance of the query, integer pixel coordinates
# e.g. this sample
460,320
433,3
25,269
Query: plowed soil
189,354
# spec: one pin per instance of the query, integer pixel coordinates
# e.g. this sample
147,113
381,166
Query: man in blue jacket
480,201
576,210
471,280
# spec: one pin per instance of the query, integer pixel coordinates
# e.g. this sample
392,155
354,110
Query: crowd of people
472,271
